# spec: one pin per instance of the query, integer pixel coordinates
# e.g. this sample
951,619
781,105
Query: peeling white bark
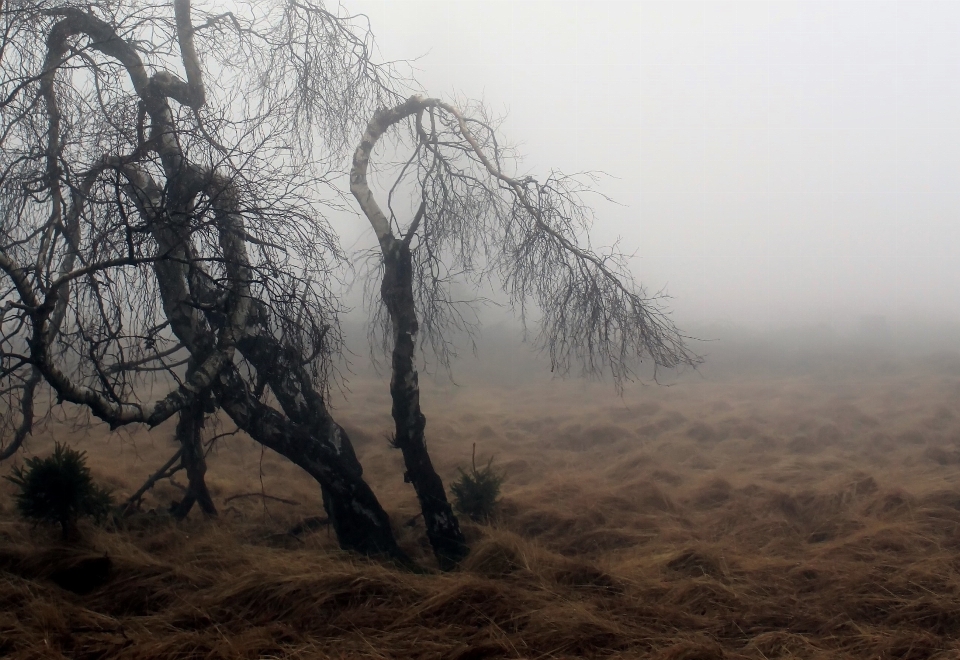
377,126
336,438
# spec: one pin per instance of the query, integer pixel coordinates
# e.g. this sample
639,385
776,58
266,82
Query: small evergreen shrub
476,493
59,489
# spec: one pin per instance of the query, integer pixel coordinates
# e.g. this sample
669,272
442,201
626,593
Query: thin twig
264,496
163,473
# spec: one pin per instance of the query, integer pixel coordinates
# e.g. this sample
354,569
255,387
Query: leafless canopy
126,157
473,219
164,173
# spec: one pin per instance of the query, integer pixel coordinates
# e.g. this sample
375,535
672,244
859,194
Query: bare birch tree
163,175
473,218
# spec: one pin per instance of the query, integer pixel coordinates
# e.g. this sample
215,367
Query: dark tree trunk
282,368
316,444
443,529
189,434
359,521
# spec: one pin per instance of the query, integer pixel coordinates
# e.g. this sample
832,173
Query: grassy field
805,513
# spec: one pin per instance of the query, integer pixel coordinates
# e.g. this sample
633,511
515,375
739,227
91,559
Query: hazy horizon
776,163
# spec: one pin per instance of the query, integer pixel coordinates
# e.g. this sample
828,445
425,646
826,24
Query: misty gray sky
777,162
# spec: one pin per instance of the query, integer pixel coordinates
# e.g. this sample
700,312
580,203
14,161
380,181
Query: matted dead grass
755,517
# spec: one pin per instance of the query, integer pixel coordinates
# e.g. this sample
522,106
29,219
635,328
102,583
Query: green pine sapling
59,489
476,494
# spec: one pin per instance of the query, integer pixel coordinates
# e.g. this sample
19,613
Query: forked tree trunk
189,435
396,291
443,529
316,444
283,370
359,521
313,441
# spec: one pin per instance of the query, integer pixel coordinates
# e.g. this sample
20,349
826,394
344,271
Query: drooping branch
202,228
188,54
475,219
616,306
104,38
46,316
25,428
443,528
141,362
111,411
382,121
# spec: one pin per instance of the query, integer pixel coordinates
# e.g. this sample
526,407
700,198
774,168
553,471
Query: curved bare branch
473,218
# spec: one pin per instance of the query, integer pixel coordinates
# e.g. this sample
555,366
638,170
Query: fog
775,163
786,171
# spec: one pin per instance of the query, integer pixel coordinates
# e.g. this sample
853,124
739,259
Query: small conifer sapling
59,489
476,493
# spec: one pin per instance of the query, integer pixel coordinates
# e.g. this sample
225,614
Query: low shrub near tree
59,489
476,493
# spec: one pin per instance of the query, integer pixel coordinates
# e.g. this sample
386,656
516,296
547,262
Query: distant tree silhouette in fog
164,175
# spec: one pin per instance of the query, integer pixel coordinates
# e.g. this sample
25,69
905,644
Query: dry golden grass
752,516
